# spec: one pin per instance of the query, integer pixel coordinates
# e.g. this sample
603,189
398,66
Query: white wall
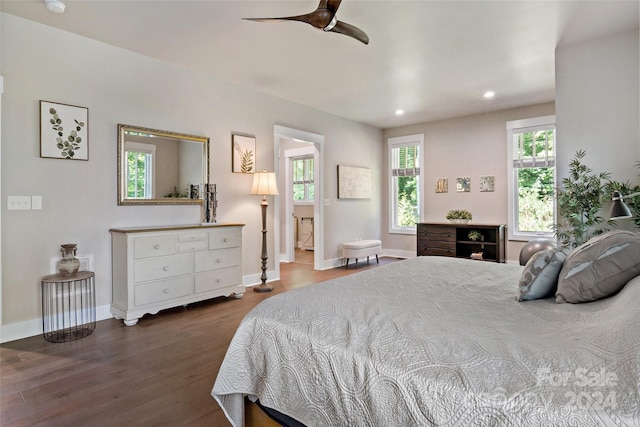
597,104
471,146
79,197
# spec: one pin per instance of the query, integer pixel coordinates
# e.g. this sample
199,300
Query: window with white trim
532,177
303,185
406,162
140,164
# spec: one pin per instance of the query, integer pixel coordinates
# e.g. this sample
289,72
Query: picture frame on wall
442,185
487,184
354,182
243,153
64,131
463,185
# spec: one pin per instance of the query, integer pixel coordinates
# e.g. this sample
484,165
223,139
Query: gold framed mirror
159,167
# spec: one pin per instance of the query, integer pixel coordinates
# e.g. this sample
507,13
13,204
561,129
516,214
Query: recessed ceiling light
55,6
489,94
399,112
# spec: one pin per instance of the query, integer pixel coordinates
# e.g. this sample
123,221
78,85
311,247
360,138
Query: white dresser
154,268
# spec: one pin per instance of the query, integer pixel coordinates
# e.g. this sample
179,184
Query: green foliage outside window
536,184
136,166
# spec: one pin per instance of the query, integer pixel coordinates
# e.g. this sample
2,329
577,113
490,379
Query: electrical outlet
18,203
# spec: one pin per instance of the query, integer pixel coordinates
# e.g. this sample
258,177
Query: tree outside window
405,160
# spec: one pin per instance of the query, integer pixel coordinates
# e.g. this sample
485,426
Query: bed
436,341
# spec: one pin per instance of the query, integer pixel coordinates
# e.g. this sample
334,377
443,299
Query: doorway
289,144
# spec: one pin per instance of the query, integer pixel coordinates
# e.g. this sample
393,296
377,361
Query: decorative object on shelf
459,216
194,191
354,182
209,203
476,255
264,184
463,185
442,185
243,154
64,131
69,264
475,235
487,184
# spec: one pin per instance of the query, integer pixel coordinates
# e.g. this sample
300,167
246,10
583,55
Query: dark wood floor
157,373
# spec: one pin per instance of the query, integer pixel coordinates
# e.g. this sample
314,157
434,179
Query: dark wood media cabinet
446,239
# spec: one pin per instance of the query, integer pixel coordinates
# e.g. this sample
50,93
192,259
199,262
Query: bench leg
356,263
346,264
377,260
367,259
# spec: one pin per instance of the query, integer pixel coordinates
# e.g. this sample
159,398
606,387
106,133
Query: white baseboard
33,327
398,254
254,279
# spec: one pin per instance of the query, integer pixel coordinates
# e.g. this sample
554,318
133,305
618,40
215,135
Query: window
532,151
140,164
405,163
303,187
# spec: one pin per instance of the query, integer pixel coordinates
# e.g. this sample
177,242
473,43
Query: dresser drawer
163,290
216,279
152,246
224,237
195,246
153,269
193,237
439,249
220,258
447,234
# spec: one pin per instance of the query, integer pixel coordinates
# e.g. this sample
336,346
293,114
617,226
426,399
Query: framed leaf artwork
64,131
243,149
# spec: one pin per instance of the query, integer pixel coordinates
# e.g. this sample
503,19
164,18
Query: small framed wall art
64,131
487,184
463,185
243,153
442,185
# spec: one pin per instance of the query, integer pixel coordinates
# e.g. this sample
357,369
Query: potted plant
580,201
459,216
474,235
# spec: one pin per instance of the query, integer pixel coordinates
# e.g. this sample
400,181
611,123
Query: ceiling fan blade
301,18
351,31
331,5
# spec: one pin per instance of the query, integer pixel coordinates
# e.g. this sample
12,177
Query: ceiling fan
323,18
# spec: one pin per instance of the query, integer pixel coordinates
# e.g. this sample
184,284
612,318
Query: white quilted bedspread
436,341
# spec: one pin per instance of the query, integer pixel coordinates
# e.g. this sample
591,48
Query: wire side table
68,306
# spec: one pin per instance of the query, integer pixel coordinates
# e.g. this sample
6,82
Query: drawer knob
157,246
165,290
226,240
165,268
219,260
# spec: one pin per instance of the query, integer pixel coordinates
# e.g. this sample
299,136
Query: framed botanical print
243,155
64,131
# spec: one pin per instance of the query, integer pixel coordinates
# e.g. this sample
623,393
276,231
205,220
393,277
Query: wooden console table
445,239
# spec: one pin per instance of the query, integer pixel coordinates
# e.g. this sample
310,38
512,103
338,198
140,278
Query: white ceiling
434,59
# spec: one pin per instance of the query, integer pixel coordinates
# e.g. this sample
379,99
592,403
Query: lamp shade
264,184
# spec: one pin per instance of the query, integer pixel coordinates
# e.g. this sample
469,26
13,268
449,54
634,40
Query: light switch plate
36,203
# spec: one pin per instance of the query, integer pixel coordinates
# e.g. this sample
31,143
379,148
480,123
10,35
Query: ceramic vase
69,264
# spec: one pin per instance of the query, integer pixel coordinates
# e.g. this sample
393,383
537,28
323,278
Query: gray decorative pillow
600,267
540,275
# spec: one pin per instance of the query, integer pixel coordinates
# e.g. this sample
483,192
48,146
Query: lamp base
263,288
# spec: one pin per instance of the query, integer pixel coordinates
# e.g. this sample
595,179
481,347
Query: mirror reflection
160,167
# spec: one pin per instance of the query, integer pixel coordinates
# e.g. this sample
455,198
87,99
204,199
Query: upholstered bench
360,249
